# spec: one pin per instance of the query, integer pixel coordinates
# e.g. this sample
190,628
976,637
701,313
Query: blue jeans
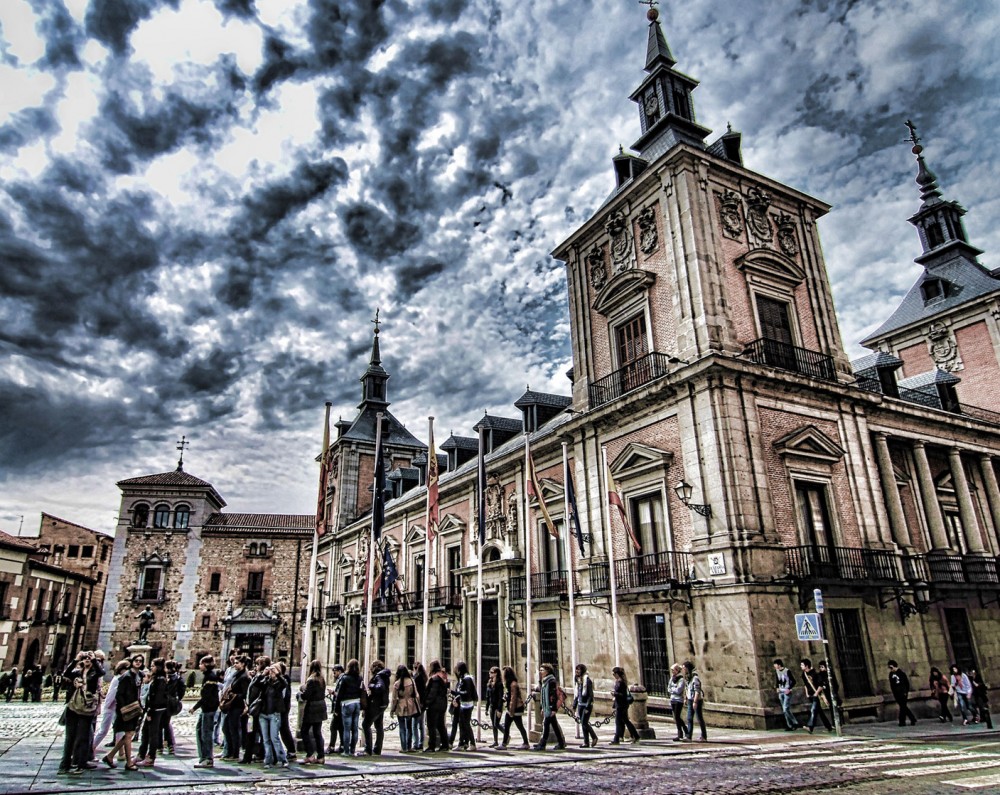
786,707
205,736
693,710
418,730
350,714
963,705
270,731
406,731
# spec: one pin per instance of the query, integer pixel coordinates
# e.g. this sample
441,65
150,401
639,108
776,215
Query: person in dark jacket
313,697
980,698
583,704
514,704
467,698
126,694
336,721
235,724
437,700
287,738
272,702
253,746
420,680
175,697
10,685
76,747
378,701
157,706
620,695
494,702
899,683
550,714
208,703
350,689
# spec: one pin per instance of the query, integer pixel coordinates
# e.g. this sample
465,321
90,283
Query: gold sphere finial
652,15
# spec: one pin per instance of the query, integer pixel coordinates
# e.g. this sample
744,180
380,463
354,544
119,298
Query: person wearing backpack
80,712
550,692
622,699
784,684
378,702
467,698
583,704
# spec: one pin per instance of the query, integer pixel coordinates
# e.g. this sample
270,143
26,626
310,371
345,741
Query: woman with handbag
622,699
271,703
494,703
128,711
514,704
313,696
405,707
80,711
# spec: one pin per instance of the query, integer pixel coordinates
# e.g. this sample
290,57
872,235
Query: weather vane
914,138
376,321
651,3
182,445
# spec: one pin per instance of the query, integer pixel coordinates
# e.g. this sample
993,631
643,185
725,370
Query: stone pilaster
970,524
894,505
928,496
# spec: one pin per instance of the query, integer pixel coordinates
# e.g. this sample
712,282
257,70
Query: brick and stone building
755,464
214,580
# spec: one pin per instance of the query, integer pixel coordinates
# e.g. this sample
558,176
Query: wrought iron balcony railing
632,376
543,584
842,563
671,569
333,612
929,398
978,570
790,357
149,595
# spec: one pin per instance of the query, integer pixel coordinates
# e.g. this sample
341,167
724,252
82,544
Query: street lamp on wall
684,491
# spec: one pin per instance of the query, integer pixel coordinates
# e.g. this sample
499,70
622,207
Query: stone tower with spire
945,333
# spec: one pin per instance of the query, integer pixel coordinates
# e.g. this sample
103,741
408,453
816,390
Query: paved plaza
869,759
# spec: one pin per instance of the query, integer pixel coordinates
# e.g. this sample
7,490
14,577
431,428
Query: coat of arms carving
943,348
617,227
758,202
729,213
598,271
496,507
787,241
648,236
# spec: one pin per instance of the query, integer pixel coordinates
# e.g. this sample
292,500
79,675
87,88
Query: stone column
970,524
992,491
893,504
928,496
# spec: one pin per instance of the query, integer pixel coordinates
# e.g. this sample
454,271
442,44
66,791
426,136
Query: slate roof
875,361
530,398
363,429
272,523
460,443
177,477
972,280
493,422
929,378
13,542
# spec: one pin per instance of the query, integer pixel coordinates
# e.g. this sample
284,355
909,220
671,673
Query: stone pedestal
140,648
638,714
535,732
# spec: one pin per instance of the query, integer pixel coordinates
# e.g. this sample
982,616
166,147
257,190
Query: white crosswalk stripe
978,764
979,782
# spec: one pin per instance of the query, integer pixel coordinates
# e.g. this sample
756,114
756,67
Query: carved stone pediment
640,459
811,443
450,523
623,288
771,266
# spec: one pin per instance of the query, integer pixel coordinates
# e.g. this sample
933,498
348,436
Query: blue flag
574,515
378,498
481,487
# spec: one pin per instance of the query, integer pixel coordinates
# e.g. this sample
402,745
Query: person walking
405,707
622,699
980,698
583,704
832,689
420,682
678,692
494,703
272,702
128,711
208,703
10,685
350,694
80,712
220,716
962,688
157,706
549,696
336,721
813,683
899,684
784,684
378,701
438,699
287,739
514,705
695,701
467,698
941,691
234,698
175,698
313,697
108,711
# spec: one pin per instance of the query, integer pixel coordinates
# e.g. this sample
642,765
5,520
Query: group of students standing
966,689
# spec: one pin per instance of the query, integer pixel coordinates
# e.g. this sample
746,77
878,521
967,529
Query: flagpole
481,511
431,466
611,559
369,589
527,574
306,649
571,569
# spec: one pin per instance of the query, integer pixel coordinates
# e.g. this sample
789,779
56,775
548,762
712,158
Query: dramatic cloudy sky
203,201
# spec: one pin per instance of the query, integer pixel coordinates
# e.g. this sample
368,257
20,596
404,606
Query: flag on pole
574,514
481,487
614,498
389,573
432,488
378,498
535,490
324,474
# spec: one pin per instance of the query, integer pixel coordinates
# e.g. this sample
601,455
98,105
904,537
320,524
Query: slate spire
373,382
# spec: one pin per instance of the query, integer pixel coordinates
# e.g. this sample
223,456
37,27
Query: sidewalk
31,746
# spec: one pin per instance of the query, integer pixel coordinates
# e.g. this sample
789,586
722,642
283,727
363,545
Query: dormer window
932,290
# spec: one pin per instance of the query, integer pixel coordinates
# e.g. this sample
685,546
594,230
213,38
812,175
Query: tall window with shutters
631,345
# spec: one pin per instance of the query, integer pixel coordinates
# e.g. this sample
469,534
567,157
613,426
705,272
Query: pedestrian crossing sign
807,626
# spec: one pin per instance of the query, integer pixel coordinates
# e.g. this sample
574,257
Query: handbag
83,702
226,702
131,711
254,709
823,700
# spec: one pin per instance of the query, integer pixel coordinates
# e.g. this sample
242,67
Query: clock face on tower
651,105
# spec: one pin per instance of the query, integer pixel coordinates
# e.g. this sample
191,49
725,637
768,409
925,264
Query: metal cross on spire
914,138
182,444
376,321
651,3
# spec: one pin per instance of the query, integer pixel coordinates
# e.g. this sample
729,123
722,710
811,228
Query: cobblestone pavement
926,761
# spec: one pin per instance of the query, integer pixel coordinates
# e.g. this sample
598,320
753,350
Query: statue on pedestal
146,620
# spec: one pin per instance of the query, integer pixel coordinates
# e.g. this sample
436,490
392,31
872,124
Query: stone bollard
535,733
638,714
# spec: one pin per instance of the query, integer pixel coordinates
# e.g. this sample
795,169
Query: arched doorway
31,657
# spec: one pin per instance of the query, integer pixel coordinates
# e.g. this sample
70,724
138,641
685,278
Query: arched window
253,550
182,515
161,515
140,515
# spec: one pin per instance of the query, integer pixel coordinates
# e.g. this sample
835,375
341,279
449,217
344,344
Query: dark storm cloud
63,36
293,384
346,31
238,8
214,372
27,126
412,276
280,63
375,234
112,21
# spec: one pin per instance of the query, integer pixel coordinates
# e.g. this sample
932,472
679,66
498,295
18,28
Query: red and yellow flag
615,499
535,490
432,487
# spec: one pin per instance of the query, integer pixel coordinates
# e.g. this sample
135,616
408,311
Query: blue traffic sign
807,626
